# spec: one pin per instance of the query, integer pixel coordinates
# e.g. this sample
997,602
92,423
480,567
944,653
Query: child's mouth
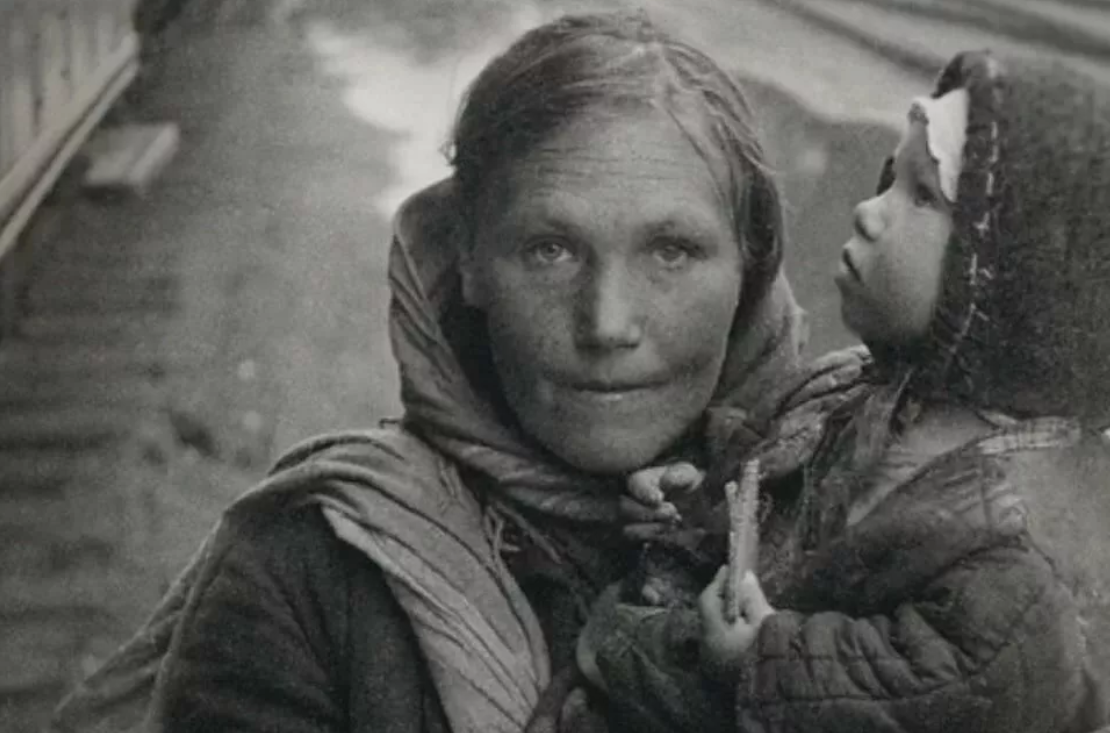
848,264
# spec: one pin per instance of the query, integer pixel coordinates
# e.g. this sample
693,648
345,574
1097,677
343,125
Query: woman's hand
724,643
646,506
601,622
565,707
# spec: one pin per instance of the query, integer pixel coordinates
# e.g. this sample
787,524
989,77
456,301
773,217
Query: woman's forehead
601,154
622,137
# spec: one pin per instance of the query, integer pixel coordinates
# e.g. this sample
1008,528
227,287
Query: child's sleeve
649,660
993,644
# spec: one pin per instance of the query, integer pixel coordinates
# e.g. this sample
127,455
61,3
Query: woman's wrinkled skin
609,273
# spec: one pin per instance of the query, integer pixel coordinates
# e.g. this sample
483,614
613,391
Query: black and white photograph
554,366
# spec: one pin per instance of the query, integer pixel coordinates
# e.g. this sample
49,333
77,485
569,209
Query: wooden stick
743,535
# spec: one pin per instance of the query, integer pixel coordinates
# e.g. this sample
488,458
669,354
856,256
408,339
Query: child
911,593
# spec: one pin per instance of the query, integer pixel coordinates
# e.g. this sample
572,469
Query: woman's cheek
696,319
531,318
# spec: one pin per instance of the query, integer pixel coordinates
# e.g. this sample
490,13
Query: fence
62,65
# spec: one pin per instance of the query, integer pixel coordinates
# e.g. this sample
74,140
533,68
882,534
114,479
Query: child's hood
1022,321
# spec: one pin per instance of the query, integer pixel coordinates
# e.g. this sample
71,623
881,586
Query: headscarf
450,391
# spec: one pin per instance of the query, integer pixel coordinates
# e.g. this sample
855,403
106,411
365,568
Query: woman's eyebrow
697,226
672,225
544,212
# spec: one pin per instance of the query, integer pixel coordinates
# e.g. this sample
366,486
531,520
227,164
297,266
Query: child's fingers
644,486
633,511
754,606
646,531
651,486
711,600
719,579
753,603
681,477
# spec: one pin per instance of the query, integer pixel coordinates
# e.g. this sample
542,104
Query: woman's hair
611,64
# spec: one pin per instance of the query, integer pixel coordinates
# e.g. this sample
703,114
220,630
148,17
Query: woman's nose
868,219
608,312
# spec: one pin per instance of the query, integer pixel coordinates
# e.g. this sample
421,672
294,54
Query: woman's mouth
606,390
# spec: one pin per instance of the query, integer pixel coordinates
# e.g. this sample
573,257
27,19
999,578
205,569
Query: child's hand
724,643
646,507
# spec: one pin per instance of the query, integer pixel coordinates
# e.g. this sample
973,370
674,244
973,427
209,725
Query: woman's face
609,272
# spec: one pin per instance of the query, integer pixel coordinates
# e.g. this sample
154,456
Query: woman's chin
612,432
609,450
605,462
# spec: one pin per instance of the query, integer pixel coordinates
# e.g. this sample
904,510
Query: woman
594,287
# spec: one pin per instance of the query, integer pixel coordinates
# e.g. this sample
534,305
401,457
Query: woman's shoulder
277,536
287,563
390,447
288,619
287,542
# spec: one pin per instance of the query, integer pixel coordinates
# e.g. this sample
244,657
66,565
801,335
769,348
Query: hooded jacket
1019,328
952,605
427,575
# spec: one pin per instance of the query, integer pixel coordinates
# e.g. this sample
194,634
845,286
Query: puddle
393,88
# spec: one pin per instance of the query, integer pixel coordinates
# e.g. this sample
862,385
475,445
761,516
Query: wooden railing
62,65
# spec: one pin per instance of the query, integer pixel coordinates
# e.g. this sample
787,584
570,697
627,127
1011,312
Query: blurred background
195,206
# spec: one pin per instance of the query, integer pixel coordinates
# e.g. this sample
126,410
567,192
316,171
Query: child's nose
868,219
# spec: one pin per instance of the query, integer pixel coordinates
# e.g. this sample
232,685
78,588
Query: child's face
889,272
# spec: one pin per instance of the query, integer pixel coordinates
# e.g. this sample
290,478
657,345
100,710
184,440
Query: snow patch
391,88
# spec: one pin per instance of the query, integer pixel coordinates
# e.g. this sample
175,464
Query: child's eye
923,195
886,176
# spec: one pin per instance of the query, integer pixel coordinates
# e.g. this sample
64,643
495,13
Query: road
241,306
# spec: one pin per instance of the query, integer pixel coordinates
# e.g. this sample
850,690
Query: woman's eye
674,253
547,252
